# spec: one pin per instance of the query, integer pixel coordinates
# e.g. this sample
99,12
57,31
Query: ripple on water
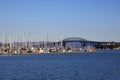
99,66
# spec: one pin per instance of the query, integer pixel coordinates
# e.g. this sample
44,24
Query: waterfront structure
71,44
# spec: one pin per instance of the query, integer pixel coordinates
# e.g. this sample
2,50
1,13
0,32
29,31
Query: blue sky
97,20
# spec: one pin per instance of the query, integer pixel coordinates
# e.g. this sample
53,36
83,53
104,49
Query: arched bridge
74,39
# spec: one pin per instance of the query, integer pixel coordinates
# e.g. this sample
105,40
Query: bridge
67,42
76,41
71,42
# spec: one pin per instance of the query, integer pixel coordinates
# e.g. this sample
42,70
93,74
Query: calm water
104,65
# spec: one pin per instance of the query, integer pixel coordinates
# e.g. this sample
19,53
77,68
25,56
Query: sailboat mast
61,43
25,41
3,41
38,40
10,41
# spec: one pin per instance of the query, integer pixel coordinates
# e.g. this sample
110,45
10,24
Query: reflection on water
77,66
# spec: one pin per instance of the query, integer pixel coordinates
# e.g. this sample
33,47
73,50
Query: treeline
111,45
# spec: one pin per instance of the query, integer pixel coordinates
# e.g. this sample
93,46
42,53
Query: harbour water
102,65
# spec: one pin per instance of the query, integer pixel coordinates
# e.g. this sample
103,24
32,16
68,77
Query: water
104,65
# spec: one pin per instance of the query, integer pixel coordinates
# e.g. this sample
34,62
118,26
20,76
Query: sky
97,20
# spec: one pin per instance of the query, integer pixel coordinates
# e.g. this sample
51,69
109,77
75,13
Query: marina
27,45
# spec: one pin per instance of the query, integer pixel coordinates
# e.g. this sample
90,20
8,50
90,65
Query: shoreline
9,54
